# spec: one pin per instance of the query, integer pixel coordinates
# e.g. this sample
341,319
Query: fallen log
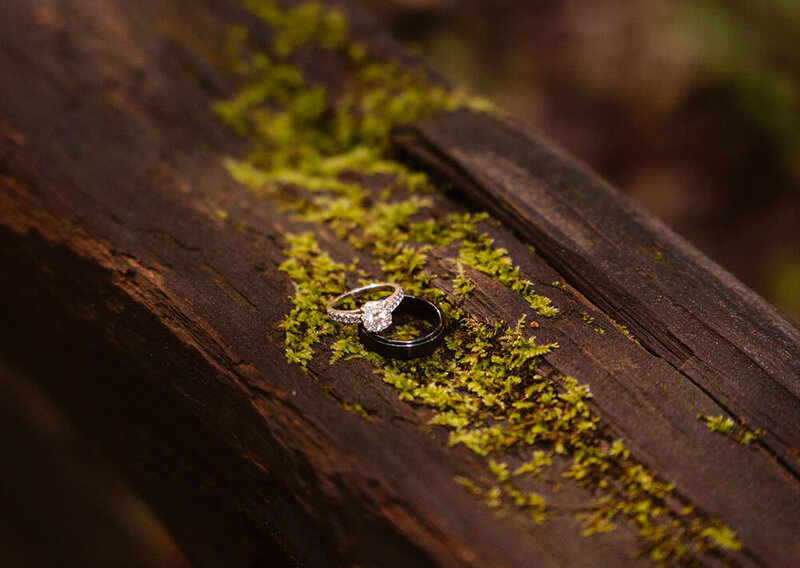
175,213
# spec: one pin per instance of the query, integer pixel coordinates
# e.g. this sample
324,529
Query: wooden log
152,277
680,305
726,344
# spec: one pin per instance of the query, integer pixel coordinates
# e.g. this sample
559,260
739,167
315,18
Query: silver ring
376,315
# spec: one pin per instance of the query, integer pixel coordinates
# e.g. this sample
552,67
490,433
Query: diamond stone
376,316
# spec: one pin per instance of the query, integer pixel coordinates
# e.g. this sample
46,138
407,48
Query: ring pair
376,315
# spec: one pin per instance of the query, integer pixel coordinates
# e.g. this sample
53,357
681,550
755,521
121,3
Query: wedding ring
375,315
411,348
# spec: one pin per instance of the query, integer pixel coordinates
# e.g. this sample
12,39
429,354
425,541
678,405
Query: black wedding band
411,348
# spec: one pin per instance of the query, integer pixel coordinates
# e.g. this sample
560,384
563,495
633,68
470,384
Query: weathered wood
164,320
725,343
680,305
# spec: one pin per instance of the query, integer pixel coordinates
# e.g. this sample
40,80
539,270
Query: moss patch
357,409
726,426
590,320
325,155
484,388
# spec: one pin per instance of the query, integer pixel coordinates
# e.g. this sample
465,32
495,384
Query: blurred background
691,107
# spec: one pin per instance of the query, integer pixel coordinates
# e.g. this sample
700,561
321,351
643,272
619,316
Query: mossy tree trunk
167,298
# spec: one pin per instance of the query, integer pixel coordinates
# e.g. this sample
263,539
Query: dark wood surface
681,306
722,346
155,326
60,499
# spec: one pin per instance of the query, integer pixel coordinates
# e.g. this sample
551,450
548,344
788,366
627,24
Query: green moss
590,320
357,409
481,254
533,502
469,485
317,278
626,331
327,155
494,497
721,535
725,425
462,285
499,469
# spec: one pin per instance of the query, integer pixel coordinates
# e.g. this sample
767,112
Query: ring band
412,348
375,315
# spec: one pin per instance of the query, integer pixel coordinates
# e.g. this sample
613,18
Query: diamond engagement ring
376,315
